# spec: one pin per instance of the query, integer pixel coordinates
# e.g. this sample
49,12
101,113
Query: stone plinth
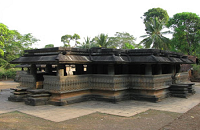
28,81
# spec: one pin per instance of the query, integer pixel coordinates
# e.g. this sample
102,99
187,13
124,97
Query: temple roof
61,55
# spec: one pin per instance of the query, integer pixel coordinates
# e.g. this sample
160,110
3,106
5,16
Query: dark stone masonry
62,76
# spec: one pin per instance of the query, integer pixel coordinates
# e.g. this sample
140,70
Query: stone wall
106,82
27,80
151,82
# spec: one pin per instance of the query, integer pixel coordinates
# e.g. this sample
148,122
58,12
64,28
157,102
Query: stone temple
62,76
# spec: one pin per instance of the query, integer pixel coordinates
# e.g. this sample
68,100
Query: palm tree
103,40
154,37
86,44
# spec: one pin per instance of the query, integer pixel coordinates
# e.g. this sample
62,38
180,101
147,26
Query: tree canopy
13,45
49,46
186,36
3,37
67,38
154,37
156,12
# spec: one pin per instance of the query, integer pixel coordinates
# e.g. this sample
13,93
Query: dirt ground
8,84
187,121
149,120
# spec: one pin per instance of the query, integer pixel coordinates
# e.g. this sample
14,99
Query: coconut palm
154,37
87,43
103,40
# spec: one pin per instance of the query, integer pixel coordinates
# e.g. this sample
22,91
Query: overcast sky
48,20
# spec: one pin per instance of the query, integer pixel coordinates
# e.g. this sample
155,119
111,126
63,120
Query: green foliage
67,38
76,37
156,12
87,43
10,73
3,37
49,46
154,37
123,40
186,36
196,68
14,45
102,40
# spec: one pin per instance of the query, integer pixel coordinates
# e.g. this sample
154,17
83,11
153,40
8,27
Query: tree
49,46
186,36
123,40
154,37
87,44
76,37
66,39
102,40
3,37
14,45
156,12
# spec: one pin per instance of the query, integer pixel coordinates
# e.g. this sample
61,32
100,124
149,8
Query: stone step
37,91
19,92
17,98
37,101
39,95
20,89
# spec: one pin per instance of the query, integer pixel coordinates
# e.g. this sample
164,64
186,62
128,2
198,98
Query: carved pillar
28,70
33,70
89,69
178,68
172,69
148,69
125,69
159,68
100,69
60,70
111,69
48,68
79,69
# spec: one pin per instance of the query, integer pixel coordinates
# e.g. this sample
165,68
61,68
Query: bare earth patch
188,121
151,119
8,84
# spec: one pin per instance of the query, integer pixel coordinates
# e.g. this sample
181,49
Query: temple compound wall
72,75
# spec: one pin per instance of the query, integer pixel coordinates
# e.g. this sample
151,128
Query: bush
196,68
7,74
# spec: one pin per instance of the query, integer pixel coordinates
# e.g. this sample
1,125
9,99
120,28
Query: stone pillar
89,69
28,70
33,70
178,68
159,68
60,70
100,69
148,69
172,69
79,69
111,69
125,69
69,70
48,69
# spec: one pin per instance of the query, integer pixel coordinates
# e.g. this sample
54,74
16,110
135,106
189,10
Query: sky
48,20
